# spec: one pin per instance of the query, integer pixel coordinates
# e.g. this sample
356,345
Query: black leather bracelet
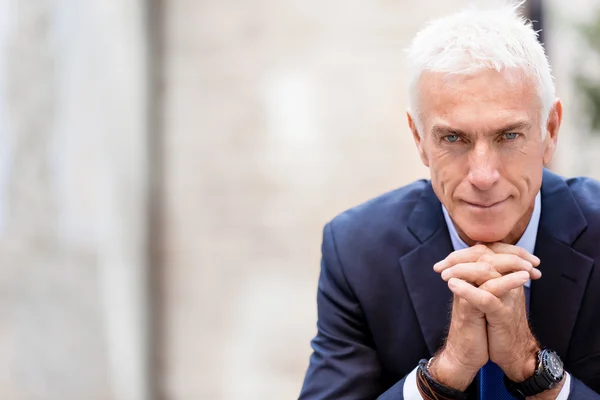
438,388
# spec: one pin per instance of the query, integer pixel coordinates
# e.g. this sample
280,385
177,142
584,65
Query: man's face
483,143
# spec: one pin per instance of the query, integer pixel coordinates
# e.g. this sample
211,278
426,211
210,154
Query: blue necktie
491,377
491,383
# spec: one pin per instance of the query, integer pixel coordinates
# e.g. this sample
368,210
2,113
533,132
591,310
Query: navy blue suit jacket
382,308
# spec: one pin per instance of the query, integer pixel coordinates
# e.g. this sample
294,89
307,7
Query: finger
506,263
511,249
481,299
476,273
500,286
470,254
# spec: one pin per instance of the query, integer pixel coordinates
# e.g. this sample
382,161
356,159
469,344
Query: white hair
474,39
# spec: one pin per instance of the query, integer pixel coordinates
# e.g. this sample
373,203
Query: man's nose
483,171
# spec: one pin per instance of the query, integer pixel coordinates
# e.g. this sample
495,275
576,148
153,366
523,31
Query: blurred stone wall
578,150
72,200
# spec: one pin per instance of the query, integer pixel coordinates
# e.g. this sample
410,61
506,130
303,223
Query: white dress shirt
526,242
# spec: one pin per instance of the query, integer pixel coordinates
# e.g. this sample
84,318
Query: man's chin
487,238
484,235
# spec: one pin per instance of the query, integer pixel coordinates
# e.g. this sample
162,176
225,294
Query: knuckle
521,262
495,285
514,259
480,248
488,267
451,259
485,300
486,258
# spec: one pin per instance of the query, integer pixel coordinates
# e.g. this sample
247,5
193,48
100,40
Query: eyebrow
442,130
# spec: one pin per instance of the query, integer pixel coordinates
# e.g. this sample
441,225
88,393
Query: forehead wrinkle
470,103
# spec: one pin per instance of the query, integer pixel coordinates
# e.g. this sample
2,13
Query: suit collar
427,217
561,216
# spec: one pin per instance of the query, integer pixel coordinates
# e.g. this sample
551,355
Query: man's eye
510,135
451,138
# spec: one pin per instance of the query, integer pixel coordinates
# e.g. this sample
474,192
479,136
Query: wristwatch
548,374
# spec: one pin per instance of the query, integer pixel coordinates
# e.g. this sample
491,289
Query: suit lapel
429,294
556,297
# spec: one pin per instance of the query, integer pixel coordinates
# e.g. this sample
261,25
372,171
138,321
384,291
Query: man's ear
551,129
417,136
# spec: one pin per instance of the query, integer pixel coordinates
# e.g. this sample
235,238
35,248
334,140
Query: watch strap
530,387
537,384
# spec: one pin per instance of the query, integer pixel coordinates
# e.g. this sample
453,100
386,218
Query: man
433,290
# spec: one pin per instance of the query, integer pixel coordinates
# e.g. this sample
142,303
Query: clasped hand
489,316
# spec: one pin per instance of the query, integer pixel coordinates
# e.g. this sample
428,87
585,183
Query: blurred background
167,166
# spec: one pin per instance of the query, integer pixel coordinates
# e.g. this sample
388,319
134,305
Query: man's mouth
484,205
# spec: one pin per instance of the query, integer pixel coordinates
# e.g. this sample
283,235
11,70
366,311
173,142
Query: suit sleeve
579,391
344,363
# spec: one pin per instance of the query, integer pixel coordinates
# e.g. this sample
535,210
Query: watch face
554,365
